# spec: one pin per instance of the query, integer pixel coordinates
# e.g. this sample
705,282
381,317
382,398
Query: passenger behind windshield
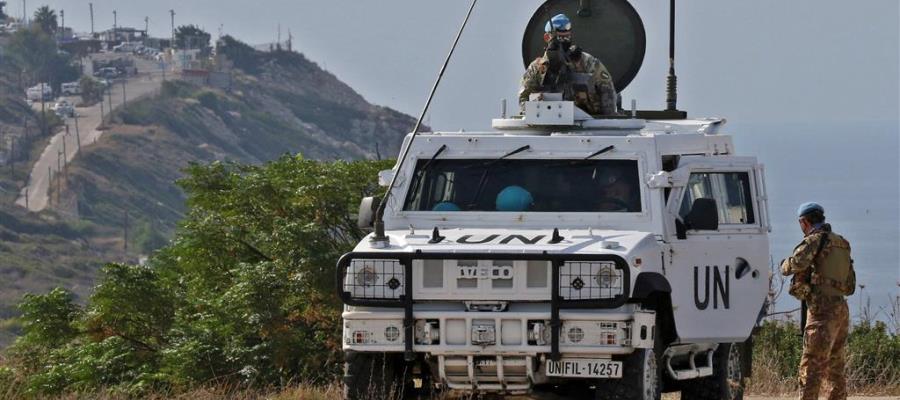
525,186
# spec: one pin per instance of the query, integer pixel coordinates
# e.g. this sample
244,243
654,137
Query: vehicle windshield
525,186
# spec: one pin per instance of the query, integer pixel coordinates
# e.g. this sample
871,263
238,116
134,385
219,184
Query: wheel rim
651,377
734,375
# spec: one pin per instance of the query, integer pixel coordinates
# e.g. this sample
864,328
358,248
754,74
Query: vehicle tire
727,380
640,379
642,373
376,376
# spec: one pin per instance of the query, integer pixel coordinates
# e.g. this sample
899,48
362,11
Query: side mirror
366,216
703,215
384,177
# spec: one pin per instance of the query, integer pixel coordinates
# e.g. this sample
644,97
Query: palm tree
45,18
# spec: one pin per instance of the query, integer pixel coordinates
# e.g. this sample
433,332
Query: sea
853,171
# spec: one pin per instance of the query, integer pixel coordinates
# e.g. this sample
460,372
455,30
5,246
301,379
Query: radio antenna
379,236
672,80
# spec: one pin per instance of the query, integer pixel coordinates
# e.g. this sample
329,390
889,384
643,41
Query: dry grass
767,382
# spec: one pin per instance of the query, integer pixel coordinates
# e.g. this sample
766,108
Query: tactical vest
833,273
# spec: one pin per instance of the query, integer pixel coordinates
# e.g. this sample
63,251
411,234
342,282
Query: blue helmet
809,207
445,206
514,198
559,22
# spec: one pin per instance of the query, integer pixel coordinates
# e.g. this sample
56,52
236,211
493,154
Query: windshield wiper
512,153
423,171
599,152
484,174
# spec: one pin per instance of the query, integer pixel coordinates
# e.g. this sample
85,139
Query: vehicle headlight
607,277
375,279
366,276
589,280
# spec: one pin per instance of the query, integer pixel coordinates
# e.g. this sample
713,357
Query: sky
828,69
765,60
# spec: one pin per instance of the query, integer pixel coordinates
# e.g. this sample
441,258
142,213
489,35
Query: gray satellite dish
610,30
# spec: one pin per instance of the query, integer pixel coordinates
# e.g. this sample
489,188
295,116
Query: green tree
3,15
242,296
191,37
45,19
36,53
91,90
48,322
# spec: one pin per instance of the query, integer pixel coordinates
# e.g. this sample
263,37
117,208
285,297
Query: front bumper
553,312
516,360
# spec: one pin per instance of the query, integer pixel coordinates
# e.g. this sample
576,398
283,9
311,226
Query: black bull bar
556,261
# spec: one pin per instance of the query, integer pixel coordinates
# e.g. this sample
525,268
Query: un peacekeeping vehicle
609,257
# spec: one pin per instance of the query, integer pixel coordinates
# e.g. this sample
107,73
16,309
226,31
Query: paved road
88,121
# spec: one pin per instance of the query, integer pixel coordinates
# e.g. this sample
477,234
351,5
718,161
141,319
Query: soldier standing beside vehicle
598,96
823,276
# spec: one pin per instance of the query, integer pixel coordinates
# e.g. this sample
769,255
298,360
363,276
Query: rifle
807,279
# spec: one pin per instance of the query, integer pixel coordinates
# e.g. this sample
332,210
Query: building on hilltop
123,34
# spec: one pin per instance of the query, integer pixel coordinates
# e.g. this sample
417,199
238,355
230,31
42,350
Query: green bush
242,296
91,90
873,356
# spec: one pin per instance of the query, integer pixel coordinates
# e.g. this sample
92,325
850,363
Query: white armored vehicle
614,257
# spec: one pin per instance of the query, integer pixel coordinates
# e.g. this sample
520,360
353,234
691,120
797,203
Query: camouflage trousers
825,349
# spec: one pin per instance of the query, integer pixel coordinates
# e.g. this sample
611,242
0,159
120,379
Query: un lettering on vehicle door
719,276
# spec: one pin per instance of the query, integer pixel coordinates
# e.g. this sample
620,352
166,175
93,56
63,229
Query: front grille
375,279
588,280
469,279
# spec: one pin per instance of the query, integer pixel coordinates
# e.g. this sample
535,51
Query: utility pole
101,109
290,42
109,98
49,185
65,157
115,28
43,112
146,27
62,16
24,13
172,15
77,135
91,7
126,231
123,94
58,181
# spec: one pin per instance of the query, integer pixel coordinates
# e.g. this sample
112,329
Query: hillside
279,102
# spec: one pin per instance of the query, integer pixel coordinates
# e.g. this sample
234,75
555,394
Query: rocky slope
124,185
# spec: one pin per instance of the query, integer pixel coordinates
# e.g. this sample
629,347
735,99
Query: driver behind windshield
616,193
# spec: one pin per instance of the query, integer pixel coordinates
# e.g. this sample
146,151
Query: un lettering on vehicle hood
573,241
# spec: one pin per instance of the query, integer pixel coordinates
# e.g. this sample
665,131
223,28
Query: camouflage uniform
601,98
828,319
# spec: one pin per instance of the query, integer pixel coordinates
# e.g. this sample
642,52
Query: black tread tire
374,376
718,386
631,385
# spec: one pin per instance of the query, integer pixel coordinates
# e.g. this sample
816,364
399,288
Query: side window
730,190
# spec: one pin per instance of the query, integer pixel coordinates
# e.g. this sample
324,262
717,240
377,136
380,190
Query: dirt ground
676,396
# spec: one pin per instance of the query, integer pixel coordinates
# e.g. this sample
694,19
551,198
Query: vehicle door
719,263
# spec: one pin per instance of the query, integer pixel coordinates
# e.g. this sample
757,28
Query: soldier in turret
596,96
823,276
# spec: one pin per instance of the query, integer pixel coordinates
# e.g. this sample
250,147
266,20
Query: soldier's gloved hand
781,266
